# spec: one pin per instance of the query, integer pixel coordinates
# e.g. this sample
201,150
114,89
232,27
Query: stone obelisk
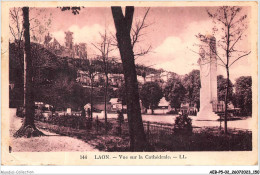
208,79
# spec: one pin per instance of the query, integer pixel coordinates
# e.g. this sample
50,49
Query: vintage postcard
129,83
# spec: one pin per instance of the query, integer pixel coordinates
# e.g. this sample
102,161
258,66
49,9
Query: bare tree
16,30
92,71
233,27
123,25
105,48
39,25
28,128
136,33
15,26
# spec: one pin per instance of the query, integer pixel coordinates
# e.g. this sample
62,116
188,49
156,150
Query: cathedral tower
69,40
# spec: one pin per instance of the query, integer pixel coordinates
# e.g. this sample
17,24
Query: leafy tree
52,78
175,92
78,96
75,10
150,94
123,25
191,82
222,85
65,93
46,68
243,94
58,92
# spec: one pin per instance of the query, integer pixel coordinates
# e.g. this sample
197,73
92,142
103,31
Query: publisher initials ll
182,156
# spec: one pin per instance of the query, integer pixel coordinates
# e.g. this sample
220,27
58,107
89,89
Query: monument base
207,115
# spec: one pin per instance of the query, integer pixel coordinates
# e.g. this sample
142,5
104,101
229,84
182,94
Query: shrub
77,122
39,117
99,124
69,121
183,125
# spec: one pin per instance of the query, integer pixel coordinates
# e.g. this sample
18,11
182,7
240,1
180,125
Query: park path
50,143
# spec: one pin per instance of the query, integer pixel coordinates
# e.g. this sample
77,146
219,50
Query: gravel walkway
49,143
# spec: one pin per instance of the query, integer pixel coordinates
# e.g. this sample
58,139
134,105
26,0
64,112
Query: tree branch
236,41
138,28
97,47
143,52
12,32
215,52
239,58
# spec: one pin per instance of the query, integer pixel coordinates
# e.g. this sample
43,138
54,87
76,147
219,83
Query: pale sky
171,35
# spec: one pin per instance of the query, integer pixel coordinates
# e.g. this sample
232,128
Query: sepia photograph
114,78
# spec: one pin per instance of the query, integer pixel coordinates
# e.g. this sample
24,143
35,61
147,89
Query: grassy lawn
98,138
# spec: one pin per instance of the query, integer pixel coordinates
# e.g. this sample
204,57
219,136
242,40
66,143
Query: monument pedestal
206,114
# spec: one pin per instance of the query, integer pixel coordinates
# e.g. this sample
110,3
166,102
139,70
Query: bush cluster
66,120
73,121
183,125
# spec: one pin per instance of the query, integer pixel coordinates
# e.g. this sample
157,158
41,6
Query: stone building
71,50
115,80
69,40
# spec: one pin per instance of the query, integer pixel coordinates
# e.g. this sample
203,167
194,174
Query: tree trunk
28,82
106,85
91,100
123,27
28,128
226,101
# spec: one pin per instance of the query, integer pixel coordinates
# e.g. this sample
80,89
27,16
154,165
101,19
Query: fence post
220,118
97,124
120,128
148,131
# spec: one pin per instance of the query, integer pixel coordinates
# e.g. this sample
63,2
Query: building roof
113,100
163,102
